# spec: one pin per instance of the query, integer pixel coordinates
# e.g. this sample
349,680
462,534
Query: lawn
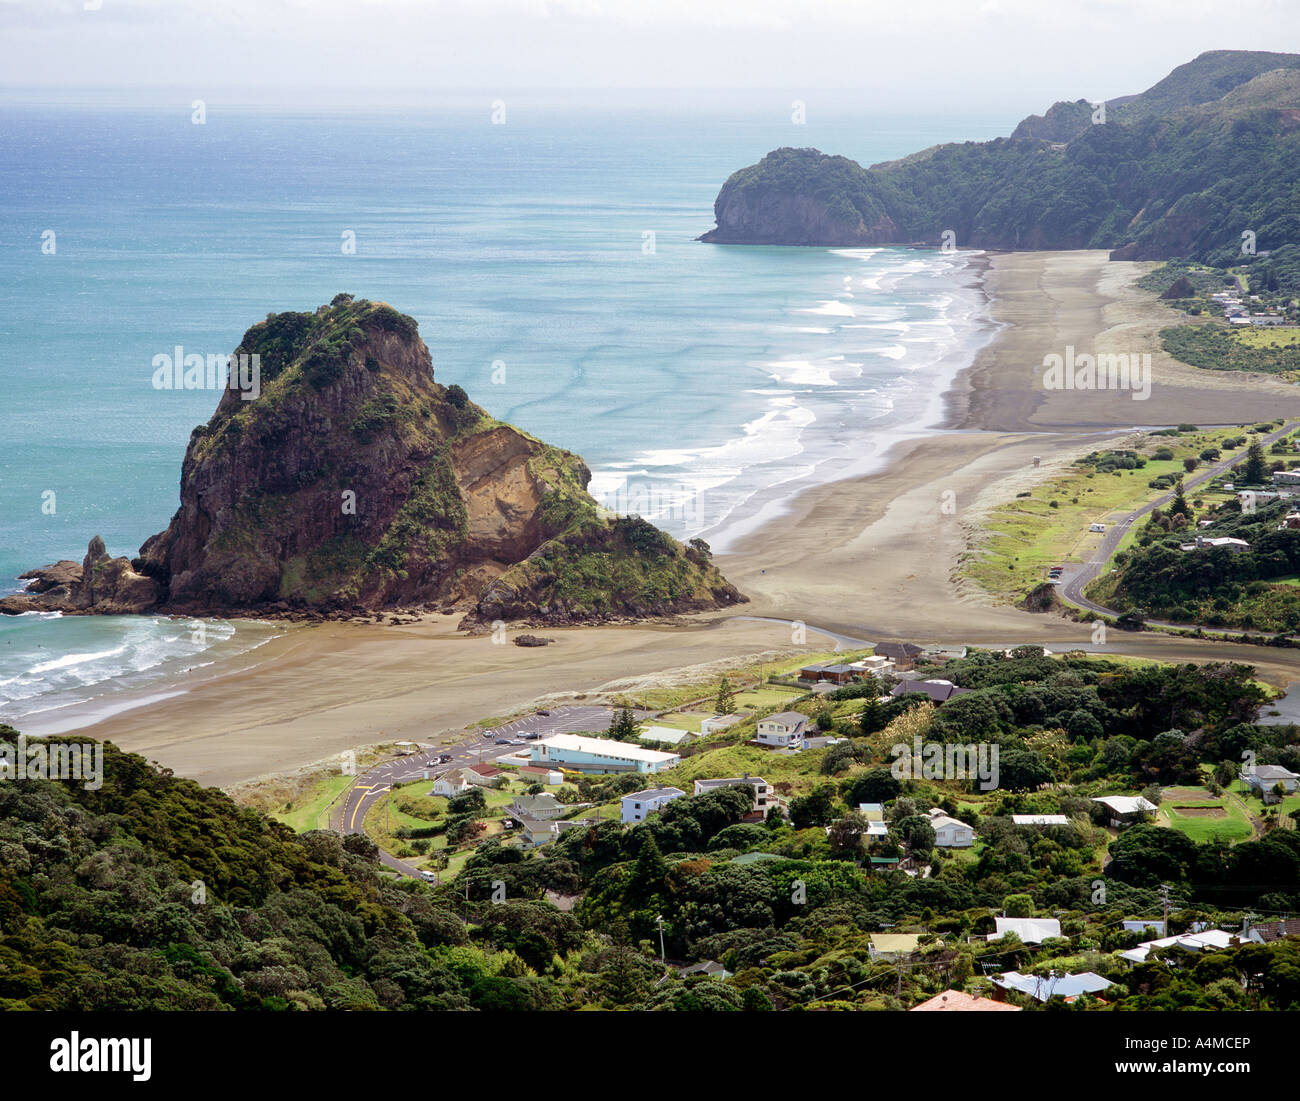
1027,535
682,720
304,816
770,695
679,695
1202,816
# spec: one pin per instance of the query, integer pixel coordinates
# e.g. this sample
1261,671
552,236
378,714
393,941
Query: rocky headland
355,483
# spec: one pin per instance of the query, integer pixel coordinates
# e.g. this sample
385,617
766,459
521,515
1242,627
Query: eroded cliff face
353,482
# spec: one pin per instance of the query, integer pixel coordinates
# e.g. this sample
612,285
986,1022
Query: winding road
1075,580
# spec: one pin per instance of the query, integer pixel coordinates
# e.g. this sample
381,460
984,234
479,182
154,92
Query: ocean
549,258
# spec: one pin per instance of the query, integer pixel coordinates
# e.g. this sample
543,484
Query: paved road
1075,579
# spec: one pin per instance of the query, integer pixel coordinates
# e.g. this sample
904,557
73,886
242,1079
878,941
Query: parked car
503,741
444,758
543,711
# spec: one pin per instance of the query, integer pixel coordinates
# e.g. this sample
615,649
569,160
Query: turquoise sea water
554,253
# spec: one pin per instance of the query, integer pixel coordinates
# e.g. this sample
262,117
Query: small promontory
353,482
801,197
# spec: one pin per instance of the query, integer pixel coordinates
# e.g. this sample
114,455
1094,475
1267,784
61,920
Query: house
1039,820
831,673
786,729
600,755
484,776
453,782
1290,520
1236,546
709,968
543,807
888,946
874,813
958,1001
1126,809
639,804
1286,477
1269,931
1210,940
764,796
938,690
1029,930
1253,498
1043,987
902,654
534,832
1141,925
534,774
715,723
666,735
950,833
1264,778
873,666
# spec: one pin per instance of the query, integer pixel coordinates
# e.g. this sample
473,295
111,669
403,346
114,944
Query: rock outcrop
353,482
99,584
801,197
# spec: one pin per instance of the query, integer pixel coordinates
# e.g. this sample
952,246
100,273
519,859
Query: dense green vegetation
1181,170
155,892
1214,586
1221,348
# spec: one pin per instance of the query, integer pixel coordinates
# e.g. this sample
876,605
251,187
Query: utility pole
1164,903
659,920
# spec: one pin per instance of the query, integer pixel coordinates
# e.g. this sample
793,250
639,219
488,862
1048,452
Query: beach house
949,832
785,729
1236,546
1264,778
939,691
714,723
1126,809
903,655
638,805
764,796
1043,987
1029,930
454,782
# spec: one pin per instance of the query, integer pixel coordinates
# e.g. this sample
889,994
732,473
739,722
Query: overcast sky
956,55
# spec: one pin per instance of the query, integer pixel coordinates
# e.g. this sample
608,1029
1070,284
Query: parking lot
560,720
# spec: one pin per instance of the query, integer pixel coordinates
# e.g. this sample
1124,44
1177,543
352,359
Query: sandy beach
871,558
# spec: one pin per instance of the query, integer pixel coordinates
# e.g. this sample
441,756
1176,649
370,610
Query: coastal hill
1183,169
355,482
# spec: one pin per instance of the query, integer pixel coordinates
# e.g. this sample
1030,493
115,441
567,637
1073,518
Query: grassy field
682,720
770,695
1203,816
302,816
1027,535
741,676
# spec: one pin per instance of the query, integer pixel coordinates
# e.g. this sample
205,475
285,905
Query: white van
1097,527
